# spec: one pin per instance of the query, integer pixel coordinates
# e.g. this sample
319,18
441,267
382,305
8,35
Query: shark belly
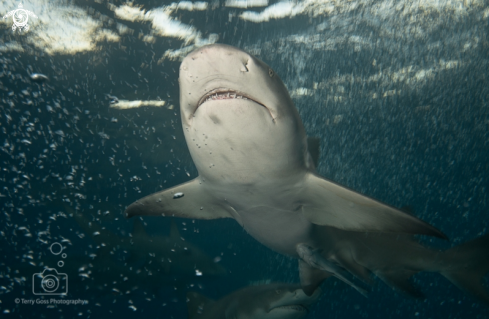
228,148
278,229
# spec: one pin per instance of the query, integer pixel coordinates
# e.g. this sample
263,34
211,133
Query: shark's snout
224,51
220,72
216,60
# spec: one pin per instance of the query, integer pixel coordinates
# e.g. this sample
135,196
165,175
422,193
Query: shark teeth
224,96
227,94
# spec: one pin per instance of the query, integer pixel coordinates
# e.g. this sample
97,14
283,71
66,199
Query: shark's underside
256,165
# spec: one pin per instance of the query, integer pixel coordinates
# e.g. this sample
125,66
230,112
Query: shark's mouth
228,94
225,94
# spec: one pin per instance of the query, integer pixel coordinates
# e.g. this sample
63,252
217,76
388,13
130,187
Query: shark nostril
244,67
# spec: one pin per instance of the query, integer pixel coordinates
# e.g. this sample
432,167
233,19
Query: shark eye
270,72
278,291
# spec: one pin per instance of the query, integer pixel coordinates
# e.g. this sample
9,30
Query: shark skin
272,301
257,165
249,145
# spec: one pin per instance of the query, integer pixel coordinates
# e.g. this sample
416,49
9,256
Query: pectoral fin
188,200
327,203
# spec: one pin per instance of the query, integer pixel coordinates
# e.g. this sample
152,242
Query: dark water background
400,102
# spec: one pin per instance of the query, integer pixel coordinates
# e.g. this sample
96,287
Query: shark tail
464,266
468,263
395,259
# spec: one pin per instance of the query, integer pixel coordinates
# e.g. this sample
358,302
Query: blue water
398,95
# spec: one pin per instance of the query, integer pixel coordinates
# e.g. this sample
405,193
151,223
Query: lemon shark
257,165
272,301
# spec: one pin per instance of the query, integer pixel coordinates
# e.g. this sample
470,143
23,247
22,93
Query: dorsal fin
174,233
196,304
313,146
